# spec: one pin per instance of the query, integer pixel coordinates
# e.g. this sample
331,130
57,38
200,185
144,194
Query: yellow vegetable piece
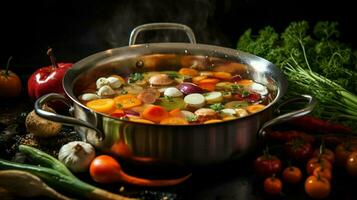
127,101
255,108
174,121
102,105
212,121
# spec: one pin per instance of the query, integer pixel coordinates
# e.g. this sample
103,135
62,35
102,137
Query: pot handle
161,26
70,121
290,115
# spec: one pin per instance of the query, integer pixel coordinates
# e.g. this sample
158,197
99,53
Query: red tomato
298,150
317,187
267,165
104,169
273,185
351,164
322,172
342,151
326,153
292,175
313,163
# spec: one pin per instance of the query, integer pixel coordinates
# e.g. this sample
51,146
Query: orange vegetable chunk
155,113
102,105
188,72
127,101
174,121
222,75
254,108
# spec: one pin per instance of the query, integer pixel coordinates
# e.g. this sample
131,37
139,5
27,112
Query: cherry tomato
342,151
267,165
298,150
273,186
351,164
313,163
317,187
292,175
323,172
326,153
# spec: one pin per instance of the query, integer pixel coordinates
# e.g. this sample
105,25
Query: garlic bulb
77,155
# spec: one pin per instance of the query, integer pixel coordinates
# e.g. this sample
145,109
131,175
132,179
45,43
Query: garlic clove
77,155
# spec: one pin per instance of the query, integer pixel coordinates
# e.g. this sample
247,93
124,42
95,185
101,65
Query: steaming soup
187,96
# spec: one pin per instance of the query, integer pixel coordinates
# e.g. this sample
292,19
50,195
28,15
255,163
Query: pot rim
173,48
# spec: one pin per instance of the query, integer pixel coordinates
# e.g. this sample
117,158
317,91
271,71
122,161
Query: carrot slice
245,82
222,75
174,121
254,108
102,105
176,113
188,72
207,86
197,79
127,101
229,118
155,113
209,80
118,113
212,121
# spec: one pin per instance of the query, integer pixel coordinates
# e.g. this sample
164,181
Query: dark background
76,29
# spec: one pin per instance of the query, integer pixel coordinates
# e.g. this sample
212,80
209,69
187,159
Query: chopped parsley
235,88
119,106
135,77
245,93
169,99
192,118
217,107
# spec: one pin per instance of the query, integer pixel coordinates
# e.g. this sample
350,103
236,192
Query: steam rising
197,14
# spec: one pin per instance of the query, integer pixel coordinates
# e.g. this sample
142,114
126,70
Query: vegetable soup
186,96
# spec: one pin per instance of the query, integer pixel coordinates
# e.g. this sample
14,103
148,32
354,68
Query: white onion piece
213,97
172,92
229,111
195,100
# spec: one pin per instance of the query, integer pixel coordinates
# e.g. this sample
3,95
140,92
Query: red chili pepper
310,123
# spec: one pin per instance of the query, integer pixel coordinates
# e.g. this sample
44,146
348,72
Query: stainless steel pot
189,144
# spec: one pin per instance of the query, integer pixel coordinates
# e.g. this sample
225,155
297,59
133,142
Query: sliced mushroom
160,79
